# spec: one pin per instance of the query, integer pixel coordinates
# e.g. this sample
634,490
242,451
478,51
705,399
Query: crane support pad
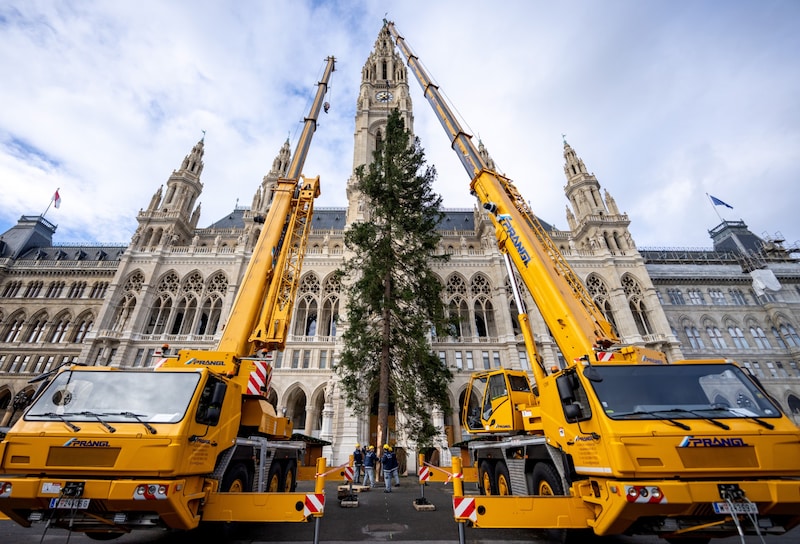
545,512
261,507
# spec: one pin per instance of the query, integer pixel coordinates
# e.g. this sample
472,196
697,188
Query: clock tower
384,87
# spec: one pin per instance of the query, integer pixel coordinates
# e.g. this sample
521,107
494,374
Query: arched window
738,338
62,323
790,335
759,337
675,296
330,306
599,291
203,324
14,328
161,312
124,311
457,308
158,316
37,328
778,338
84,325
696,297
694,337
481,291
633,292
717,340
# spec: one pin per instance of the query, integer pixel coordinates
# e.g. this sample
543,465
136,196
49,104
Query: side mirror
219,394
573,412
213,411
565,390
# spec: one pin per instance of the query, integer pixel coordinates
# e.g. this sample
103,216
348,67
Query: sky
665,102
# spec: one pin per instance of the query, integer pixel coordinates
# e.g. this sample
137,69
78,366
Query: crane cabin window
685,391
116,396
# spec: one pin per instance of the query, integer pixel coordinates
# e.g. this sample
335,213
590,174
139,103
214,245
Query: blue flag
718,202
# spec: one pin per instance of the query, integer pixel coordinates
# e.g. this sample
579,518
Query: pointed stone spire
156,200
193,162
280,165
486,157
596,224
611,204
172,215
384,87
583,189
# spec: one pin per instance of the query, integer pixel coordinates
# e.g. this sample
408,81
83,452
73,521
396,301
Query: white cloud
664,102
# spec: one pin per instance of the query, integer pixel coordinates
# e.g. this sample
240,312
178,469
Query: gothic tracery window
481,291
307,306
599,291
635,296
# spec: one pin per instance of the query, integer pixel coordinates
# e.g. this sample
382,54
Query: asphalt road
379,517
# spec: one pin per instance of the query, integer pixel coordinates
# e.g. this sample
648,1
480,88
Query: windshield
698,391
122,396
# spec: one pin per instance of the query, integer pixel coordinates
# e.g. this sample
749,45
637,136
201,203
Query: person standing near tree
370,459
358,463
389,464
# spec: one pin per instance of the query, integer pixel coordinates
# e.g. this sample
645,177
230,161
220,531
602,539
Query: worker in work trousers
358,463
369,467
390,466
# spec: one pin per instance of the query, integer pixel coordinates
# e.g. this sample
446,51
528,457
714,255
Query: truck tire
546,480
237,479
486,481
290,477
275,479
502,479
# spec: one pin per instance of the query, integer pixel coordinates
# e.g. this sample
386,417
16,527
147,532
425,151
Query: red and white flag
57,199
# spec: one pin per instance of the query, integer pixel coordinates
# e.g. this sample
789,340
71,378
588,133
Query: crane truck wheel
275,481
290,477
486,479
546,480
503,480
237,479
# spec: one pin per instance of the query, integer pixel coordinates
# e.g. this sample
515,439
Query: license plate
77,504
738,508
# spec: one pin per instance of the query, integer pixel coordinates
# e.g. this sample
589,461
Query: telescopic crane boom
580,330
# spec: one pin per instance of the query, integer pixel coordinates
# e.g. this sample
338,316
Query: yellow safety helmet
387,447
358,445
371,447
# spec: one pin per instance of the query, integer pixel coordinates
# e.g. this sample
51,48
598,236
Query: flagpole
52,199
721,220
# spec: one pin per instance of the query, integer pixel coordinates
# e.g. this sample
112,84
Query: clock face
383,96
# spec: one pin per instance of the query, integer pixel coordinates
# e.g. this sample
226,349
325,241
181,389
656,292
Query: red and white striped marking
464,508
260,378
424,474
160,362
605,355
314,504
349,473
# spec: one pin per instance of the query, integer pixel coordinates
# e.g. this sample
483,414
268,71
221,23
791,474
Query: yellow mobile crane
620,440
106,451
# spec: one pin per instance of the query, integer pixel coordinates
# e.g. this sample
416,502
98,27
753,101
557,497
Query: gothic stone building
174,284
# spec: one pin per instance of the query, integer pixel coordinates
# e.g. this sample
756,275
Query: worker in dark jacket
358,463
370,460
390,466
